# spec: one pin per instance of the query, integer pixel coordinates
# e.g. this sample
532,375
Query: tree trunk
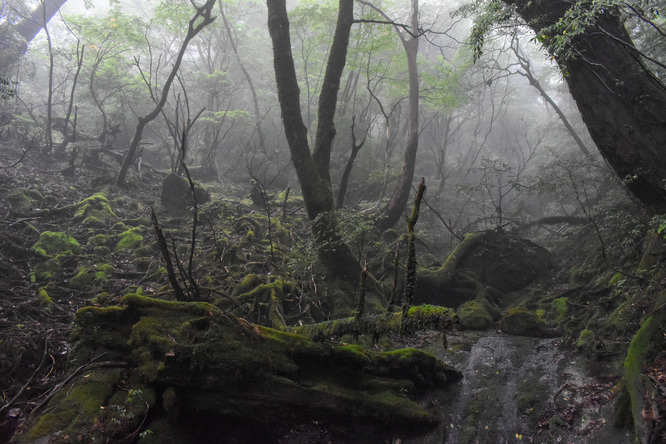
28,28
204,13
393,211
312,169
620,101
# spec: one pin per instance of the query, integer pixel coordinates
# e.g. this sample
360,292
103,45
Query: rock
484,262
476,314
177,196
522,322
506,263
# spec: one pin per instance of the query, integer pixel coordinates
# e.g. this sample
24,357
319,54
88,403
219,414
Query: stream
519,389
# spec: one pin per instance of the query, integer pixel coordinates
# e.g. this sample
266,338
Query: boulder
177,195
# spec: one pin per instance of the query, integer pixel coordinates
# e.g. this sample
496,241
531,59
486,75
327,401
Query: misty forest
334,221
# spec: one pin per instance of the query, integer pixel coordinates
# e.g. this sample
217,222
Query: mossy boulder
86,276
177,196
228,369
53,243
129,239
522,322
476,315
94,210
488,259
45,271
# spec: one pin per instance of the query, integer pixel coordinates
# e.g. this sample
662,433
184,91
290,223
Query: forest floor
37,304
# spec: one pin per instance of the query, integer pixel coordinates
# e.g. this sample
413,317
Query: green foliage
487,16
6,87
581,16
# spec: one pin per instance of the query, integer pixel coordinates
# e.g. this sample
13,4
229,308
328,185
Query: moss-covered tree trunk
312,169
621,102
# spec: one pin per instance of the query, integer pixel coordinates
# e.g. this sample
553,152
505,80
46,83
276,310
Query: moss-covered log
419,317
194,357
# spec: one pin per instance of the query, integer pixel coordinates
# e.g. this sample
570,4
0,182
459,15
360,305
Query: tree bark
312,169
620,101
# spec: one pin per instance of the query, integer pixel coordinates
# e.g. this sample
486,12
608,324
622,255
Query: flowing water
523,390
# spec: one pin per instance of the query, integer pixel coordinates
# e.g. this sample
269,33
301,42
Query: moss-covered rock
492,259
45,271
474,315
52,243
94,209
522,322
94,408
129,239
177,196
87,276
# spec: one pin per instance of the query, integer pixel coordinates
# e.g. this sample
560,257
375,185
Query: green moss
143,251
129,239
20,199
45,271
138,222
102,272
520,321
101,240
617,277
76,409
620,320
474,315
119,226
248,283
45,300
637,354
93,222
51,243
586,339
83,278
561,307
102,251
96,207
